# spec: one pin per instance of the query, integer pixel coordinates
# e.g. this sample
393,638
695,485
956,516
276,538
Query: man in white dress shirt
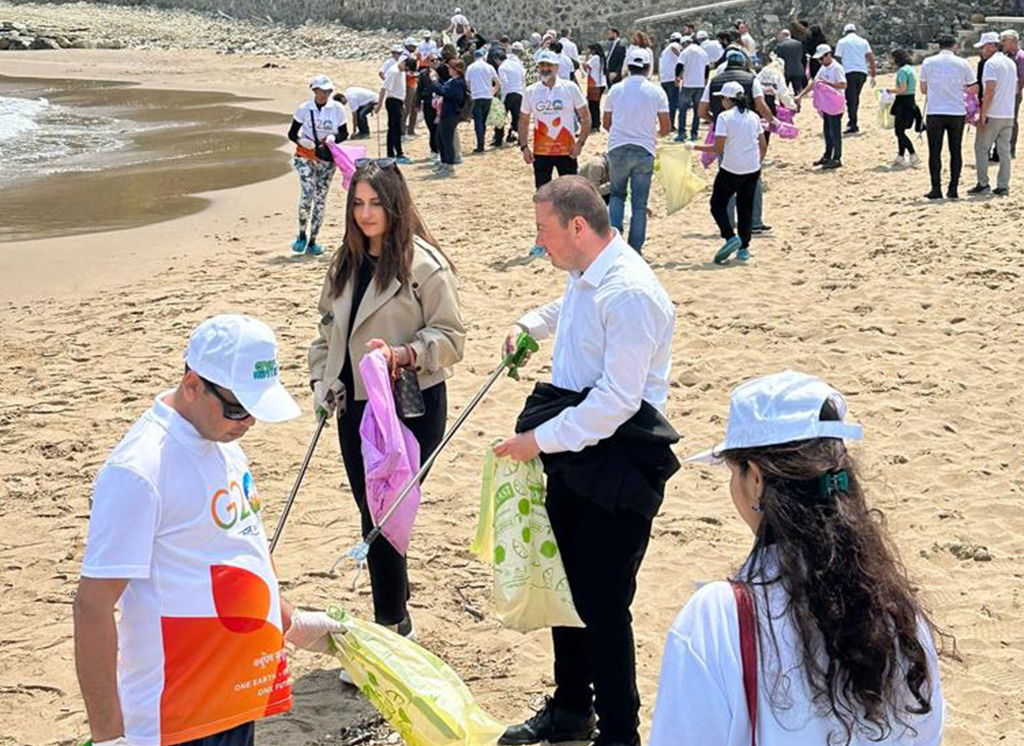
612,357
854,53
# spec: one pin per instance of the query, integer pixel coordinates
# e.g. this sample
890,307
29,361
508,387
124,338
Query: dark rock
44,42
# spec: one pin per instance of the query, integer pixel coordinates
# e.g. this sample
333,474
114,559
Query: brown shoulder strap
748,650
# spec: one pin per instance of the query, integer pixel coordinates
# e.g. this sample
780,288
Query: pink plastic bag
828,100
391,454
345,157
706,159
785,130
783,114
973,107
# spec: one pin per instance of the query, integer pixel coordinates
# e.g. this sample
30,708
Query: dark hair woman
815,38
453,95
389,287
834,647
904,108
597,82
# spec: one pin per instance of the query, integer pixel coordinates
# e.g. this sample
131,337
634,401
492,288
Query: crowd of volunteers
819,636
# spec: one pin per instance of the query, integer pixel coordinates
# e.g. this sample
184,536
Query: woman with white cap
819,637
740,141
831,74
314,122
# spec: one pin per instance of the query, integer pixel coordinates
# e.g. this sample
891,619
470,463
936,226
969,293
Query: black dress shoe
834,163
821,161
952,194
934,194
553,724
1001,191
978,189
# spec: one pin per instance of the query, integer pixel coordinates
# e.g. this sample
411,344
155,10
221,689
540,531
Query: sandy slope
912,309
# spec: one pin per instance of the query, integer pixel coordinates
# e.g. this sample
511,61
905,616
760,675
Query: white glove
119,741
326,398
310,630
307,143
873,81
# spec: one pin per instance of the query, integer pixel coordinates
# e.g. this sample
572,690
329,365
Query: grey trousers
997,132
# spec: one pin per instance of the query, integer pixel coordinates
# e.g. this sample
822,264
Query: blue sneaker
315,249
299,245
403,161
743,254
537,251
723,254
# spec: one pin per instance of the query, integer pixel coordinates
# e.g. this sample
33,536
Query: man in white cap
392,99
549,104
944,78
830,73
426,49
636,113
691,74
712,48
1011,48
396,52
995,125
512,75
667,73
854,52
177,545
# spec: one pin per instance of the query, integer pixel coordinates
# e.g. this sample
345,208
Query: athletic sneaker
403,160
314,249
834,163
405,629
1001,191
761,229
978,189
723,254
299,244
743,254
900,162
915,160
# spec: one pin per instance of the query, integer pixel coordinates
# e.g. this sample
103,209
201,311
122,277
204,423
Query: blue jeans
673,100
689,98
481,108
630,166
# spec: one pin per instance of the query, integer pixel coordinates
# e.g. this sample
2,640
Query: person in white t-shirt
361,101
712,47
392,99
944,79
855,55
553,105
692,73
177,545
512,75
746,41
636,113
830,73
426,49
597,82
458,26
569,48
667,74
483,81
566,67
397,50
740,141
998,106
819,637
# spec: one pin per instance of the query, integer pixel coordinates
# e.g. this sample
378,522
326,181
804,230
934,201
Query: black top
362,280
794,55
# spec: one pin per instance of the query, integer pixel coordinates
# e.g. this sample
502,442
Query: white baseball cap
687,40
546,56
517,46
989,37
239,353
637,57
676,36
780,408
821,51
732,89
409,42
702,35
849,27
397,49
425,34
322,82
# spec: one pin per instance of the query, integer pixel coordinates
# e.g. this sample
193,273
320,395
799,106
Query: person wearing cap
315,123
836,642
549,104
830,73
741,144
397,50
483,81
945,77
362,102
602,436
615,53
392,99
1010,41
712,48
667,73
597,83
458,27
512,76
995,125
426,49
389,287
410,108
425,100
177,546
854,52
791,51
636,113
691,77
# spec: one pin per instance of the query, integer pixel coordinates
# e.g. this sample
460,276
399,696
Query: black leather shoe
978,189
933,194
1001,191
821,161
952,194
553,724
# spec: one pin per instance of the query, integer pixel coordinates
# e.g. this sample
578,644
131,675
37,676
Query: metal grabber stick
525,345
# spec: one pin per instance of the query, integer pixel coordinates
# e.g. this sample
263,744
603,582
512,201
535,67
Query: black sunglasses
231,410
378,162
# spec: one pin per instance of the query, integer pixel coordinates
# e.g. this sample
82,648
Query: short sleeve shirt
833,73
853,50
327,119
200,645
595,73
635,105
695,66
945,76
553,111
1003,71
394,83
742,133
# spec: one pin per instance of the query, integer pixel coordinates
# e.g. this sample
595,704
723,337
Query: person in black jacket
425,100
616,55
453,94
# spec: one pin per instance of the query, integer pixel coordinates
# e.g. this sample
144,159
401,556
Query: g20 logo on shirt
236,504
544,107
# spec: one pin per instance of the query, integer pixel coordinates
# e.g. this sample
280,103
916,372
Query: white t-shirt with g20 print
200,635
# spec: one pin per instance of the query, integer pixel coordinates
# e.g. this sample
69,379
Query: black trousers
544,167
595,113
854,85
743,186
343,133
833,129
513,105
389,576
363,118
240,735
481,108
949,126
430,118
447,138
903,111
798,82
394,107
602,552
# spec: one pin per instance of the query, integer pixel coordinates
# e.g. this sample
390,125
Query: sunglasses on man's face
231,410
378,162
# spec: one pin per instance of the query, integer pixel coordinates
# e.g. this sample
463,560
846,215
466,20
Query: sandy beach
912,309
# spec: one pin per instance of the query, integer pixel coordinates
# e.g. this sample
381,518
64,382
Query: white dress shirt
614,335
945,76
481,76
511,73
695,66
569,48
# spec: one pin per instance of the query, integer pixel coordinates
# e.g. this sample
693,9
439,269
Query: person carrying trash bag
314,122
176,543
601,434
389,287
819,637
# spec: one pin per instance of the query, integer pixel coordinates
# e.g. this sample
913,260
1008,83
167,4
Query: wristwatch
524,147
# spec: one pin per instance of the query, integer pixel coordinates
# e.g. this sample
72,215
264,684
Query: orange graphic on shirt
223,671
546,143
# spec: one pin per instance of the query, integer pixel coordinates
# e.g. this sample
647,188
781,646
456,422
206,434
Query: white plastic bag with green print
514,534
418,694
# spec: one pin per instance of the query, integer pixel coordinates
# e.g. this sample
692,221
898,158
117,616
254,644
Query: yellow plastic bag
419,695
678,177
885,117
514,534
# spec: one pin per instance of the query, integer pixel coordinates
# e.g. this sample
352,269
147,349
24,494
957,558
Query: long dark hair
853,606
599,51
901,57
740,100
404,224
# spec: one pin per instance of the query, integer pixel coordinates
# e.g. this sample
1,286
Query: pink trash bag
391,454
783,114
827,100
706,159
345,157
973,107
785,130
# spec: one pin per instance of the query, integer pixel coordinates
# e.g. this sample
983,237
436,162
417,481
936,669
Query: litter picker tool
525,345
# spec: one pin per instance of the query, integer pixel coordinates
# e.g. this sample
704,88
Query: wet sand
185,143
